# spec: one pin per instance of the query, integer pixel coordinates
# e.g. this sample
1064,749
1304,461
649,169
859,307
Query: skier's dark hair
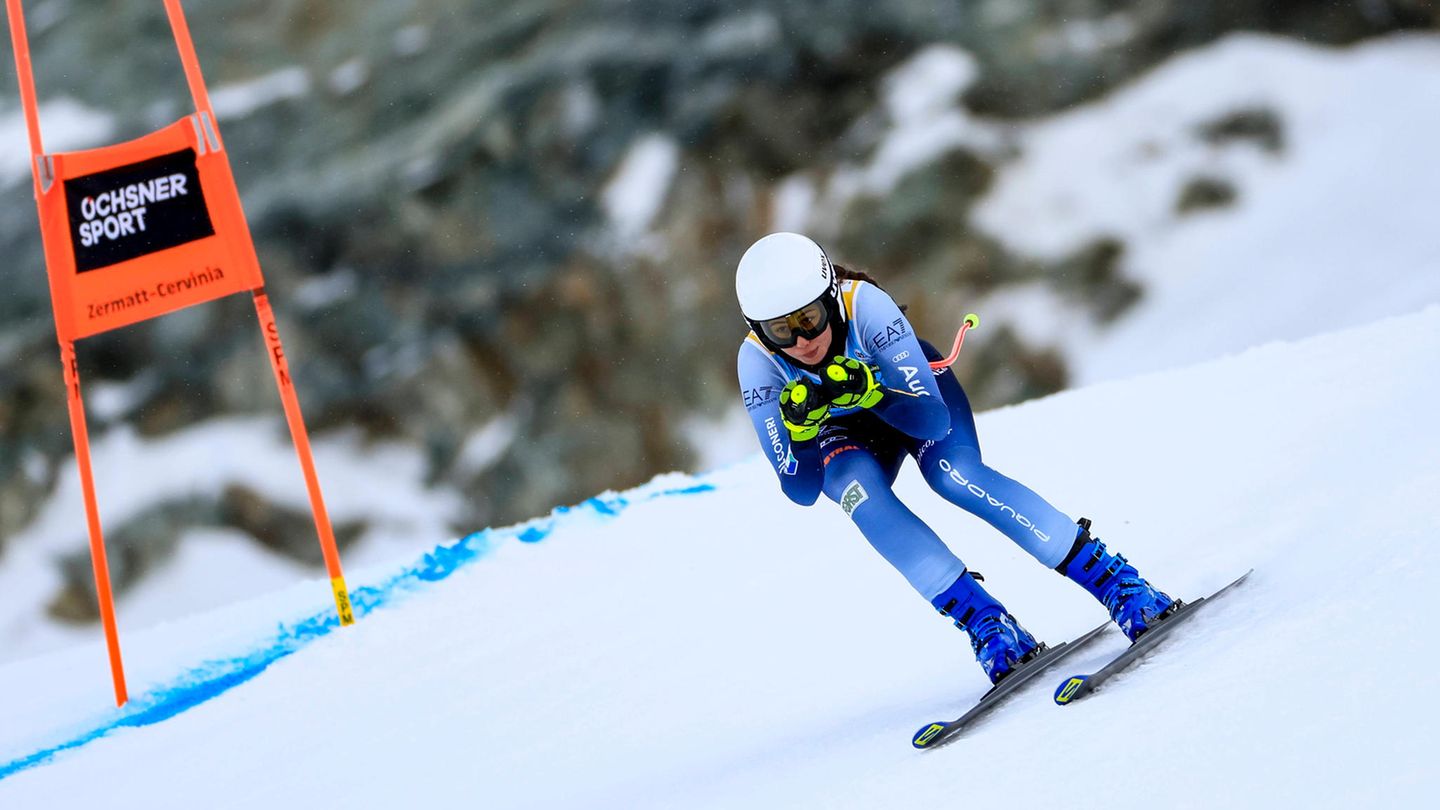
849,274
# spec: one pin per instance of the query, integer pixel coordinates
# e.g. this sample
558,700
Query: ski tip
1068,690
927,735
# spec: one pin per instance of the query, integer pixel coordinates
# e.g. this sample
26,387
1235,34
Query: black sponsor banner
137,209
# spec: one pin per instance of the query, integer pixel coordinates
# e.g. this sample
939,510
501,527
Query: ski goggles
807,322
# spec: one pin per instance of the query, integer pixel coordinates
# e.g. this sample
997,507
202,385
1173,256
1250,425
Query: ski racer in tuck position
840,391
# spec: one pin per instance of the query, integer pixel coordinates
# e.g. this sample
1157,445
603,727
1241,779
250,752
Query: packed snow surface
706,643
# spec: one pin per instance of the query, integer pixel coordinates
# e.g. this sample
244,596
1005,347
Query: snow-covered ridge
1331,225
728,648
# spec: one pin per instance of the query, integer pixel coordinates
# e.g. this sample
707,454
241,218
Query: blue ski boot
999,642
1134,604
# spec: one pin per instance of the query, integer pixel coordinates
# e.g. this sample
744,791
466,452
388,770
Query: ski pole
971,321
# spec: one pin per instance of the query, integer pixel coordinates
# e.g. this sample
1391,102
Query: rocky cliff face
438,193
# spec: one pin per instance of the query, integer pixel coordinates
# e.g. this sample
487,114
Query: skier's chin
813,356
810,355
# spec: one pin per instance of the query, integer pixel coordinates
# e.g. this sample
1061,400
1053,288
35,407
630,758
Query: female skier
840,390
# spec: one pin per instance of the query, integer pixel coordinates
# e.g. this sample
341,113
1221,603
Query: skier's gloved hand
802,409
849,383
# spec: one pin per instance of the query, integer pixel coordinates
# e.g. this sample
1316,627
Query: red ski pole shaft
971,321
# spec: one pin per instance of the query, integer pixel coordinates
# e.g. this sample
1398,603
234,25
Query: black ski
937,734
1078,686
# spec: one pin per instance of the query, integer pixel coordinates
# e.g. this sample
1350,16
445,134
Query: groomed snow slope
708,644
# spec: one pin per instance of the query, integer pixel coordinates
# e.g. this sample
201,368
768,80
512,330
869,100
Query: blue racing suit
857,455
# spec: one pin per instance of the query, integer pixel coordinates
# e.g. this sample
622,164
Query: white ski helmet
782,274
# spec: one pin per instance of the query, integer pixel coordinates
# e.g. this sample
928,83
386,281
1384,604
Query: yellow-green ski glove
850,383
802,409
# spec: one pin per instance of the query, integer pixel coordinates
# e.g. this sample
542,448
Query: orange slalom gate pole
195,254
98,559
78,430
188,59
298,435
301,440
21,44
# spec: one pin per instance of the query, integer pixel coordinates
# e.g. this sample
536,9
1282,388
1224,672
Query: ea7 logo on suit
755,397
893,331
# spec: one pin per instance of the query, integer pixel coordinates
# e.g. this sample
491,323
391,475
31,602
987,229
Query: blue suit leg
953,468
857,481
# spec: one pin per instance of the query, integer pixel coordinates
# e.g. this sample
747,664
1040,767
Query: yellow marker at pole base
342,601
973,320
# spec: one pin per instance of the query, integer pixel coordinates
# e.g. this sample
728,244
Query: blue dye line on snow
214,678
